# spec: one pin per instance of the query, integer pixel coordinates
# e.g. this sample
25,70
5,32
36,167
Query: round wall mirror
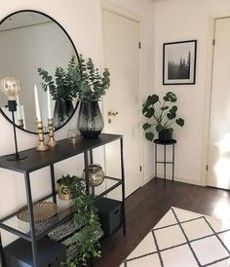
31,41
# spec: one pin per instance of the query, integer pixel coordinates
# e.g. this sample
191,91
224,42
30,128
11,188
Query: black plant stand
165,162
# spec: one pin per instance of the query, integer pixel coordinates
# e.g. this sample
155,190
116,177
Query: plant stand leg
165,158
173,163
156,163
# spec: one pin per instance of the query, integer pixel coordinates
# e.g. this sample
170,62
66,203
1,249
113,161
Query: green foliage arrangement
85,244
80,79
93,85
65,83
161,114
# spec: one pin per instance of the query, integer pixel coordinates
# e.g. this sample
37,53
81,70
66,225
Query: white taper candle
37,106
49,104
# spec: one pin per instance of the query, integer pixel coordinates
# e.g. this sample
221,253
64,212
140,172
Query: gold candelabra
41,139
51,141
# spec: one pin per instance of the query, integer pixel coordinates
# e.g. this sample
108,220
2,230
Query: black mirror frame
75,50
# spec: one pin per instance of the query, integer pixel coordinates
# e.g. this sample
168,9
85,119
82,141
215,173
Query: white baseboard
187,180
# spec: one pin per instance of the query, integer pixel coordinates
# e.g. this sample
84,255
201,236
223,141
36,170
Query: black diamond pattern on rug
184,239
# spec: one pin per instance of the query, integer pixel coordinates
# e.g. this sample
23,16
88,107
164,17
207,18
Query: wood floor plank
146,206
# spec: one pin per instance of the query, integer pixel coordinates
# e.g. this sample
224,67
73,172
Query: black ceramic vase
165,135
90,121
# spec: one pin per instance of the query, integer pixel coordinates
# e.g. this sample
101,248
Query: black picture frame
179,63
77,56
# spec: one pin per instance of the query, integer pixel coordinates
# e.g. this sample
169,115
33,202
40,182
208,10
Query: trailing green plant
160,114
66,180
85,244
80,79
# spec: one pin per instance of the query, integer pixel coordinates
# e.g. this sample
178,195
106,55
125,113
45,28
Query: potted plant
63,88
161,115
63,187
91,88
84,81
85,243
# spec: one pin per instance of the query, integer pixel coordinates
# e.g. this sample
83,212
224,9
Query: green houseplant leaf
159,114
149,136
149,113
170,97
80,79
85,244
146,126
180,122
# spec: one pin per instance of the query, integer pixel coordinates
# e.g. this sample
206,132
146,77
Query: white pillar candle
19,114
49,103
37,106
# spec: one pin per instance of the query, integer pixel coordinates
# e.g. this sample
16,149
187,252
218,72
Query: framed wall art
179,62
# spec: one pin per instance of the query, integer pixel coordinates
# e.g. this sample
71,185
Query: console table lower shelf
32,238
52,253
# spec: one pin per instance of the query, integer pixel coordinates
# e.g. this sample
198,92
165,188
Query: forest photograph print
179,62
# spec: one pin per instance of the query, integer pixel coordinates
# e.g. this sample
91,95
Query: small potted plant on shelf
63,186
85,243
160,115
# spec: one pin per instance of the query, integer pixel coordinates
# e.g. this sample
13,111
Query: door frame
208,92
106,5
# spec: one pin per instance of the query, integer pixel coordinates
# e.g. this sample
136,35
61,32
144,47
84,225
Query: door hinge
207,167
214,42
140,168
139,45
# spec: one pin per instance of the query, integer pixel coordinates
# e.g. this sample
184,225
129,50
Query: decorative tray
42,211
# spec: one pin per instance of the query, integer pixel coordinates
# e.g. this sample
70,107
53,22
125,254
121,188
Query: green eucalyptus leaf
146,126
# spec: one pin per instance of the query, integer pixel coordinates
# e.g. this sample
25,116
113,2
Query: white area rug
184,239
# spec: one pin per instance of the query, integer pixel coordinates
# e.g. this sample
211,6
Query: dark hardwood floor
146,206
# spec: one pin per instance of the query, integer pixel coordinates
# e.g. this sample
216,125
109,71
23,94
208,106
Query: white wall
179,20
81,20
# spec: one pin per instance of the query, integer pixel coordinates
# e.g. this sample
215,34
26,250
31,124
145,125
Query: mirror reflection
30,41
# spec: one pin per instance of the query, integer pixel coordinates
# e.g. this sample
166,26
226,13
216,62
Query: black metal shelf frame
40,160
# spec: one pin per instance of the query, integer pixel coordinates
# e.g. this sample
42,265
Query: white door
122,57
219,150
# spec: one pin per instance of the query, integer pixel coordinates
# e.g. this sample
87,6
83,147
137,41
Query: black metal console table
37,160
165,162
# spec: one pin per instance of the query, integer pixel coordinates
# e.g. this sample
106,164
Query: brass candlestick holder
51,141
21,123
41,139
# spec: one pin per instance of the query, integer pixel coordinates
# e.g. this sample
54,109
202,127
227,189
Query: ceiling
23,19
